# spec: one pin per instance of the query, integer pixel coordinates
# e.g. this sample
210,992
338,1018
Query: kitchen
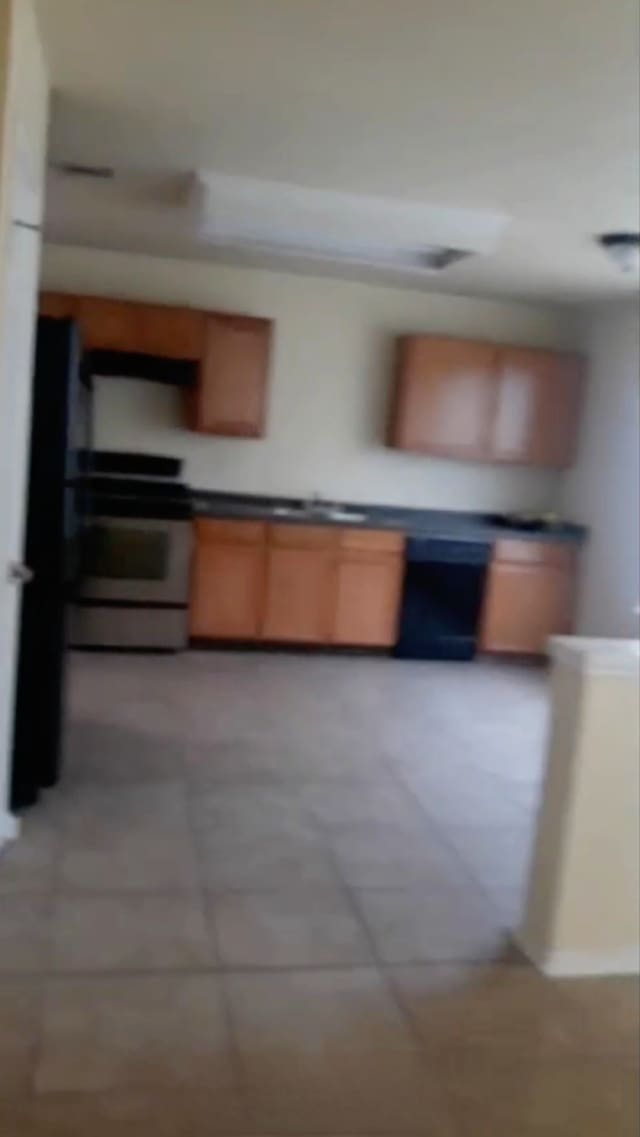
506,450
334,424
355,615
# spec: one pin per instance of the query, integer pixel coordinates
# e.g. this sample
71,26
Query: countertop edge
434,523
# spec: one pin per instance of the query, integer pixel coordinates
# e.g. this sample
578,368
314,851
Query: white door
24,108
16,369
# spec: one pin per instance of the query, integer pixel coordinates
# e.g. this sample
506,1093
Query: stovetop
138,485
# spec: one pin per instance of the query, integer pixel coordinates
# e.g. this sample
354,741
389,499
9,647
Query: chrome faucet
313,503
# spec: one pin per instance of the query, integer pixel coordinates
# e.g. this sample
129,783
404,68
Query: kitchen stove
136,556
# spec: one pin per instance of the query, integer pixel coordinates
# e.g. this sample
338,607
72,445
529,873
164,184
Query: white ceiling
532,108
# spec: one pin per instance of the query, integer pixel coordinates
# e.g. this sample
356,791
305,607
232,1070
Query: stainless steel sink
345,515
320,513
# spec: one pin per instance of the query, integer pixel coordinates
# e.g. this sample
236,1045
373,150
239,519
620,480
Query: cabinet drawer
369,557
534,552
372,540
230,532
304,536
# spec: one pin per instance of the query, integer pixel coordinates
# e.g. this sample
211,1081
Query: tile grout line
62,977
442,836
235,1054
39,1041
377,962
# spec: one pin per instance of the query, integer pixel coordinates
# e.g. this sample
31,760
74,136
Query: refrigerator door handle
18,573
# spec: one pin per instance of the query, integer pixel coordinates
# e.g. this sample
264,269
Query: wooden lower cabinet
228,588
298,595
322,585
296,584
526,602
367,602
228,580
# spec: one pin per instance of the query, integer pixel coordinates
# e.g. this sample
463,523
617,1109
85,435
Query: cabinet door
232,394
445,394
59,305
537,408
524,605
560,412
227,591
367,605
299,595
108,325
172,333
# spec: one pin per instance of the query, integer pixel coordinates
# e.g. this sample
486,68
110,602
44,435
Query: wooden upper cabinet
479,401
127,326
538,405
108,325
516,422
444,397
173,333
231,398
58,305
560,412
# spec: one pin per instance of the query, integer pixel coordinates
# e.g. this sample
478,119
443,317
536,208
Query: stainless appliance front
135,587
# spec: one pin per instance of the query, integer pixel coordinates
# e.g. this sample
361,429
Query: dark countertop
443,523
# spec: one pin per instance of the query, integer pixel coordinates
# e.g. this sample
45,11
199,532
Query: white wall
603,490
330,382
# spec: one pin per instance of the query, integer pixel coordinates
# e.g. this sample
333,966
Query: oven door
136,560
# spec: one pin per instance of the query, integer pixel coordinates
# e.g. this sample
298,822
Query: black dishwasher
443,591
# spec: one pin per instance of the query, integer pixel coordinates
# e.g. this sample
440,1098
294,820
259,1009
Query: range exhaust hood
136,365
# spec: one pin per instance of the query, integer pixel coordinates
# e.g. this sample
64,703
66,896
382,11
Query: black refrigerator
57,510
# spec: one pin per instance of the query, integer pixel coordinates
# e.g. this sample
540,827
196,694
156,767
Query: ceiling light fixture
624,250
358,230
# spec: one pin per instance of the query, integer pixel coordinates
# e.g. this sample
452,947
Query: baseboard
567,964
9,827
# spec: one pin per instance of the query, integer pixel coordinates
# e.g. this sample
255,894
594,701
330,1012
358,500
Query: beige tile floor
273,898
